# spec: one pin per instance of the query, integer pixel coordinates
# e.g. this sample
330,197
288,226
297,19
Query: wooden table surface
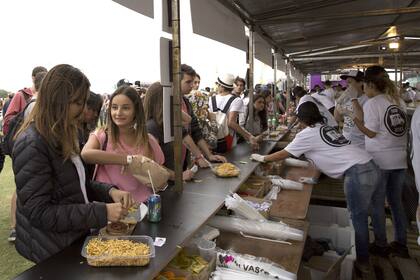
290,203
287,256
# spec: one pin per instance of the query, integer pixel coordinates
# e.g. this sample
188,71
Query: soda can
155,208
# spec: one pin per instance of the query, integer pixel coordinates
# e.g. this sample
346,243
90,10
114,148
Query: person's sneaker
399,250
379,250
12,236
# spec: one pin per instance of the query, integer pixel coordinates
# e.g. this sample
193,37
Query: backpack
14,125
224,140
221,117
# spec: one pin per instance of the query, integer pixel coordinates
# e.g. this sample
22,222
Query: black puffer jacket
51,212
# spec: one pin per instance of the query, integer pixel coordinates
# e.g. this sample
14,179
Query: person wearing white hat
350,103
232,106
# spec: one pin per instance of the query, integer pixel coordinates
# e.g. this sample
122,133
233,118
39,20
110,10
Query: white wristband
129,159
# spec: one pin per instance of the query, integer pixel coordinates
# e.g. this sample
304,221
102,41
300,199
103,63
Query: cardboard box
341,238
326,215
204,274
177,272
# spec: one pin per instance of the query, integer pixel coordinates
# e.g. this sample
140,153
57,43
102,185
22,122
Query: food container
107,259
207,249
230,171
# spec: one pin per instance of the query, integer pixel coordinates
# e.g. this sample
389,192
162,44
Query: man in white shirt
326,97
302,97
222,99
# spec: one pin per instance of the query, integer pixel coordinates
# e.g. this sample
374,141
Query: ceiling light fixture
394,45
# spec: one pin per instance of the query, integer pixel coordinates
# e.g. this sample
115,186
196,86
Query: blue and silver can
155,208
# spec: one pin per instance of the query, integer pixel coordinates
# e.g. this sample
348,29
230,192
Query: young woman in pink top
112,148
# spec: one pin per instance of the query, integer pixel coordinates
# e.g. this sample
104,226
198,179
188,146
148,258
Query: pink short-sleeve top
111,173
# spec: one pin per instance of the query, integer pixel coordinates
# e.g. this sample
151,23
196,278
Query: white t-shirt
329,150
356,136
324,112
237,105
389,121
326,97
415,146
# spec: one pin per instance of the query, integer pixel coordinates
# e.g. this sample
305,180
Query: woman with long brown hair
385,126
53,193
125,136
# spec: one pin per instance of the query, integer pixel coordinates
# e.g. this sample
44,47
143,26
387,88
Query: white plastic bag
268,229
241,207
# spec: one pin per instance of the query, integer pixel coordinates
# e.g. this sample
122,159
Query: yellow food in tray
226,170
117,252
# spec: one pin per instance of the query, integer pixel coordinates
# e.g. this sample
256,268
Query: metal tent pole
396,69
177,95
275,83
251,76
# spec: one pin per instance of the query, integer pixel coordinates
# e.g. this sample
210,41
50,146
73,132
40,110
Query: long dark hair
142,138
63,85
309,114
153,104
378,76
262,114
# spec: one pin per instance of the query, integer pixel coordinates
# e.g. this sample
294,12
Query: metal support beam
251,76
401,71
288,86
353,56
295,9
338,16
274,90
237,9
177,94
396,69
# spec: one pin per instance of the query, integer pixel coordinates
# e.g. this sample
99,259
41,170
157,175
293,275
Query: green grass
11,263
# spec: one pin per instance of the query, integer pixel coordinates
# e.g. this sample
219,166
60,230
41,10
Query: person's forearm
202,144
357,109
236,127
191,146
338,117
94,156
280,155
369,133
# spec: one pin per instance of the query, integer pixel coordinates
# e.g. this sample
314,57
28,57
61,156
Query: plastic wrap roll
241,207
231,274
268,229
272,194
296,162
287,184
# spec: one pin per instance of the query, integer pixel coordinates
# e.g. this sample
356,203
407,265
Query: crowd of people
73,147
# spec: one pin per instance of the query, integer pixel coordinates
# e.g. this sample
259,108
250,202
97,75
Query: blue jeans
360,182
390,185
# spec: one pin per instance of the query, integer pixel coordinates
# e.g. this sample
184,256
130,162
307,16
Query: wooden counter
183,214
290,203
288,256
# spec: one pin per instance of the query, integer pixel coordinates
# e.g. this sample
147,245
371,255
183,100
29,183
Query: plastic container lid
108,260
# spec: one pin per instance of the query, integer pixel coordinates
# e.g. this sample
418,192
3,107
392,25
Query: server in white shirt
385,127
333,155
326,97
349,104
302,96
415,157
233,106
